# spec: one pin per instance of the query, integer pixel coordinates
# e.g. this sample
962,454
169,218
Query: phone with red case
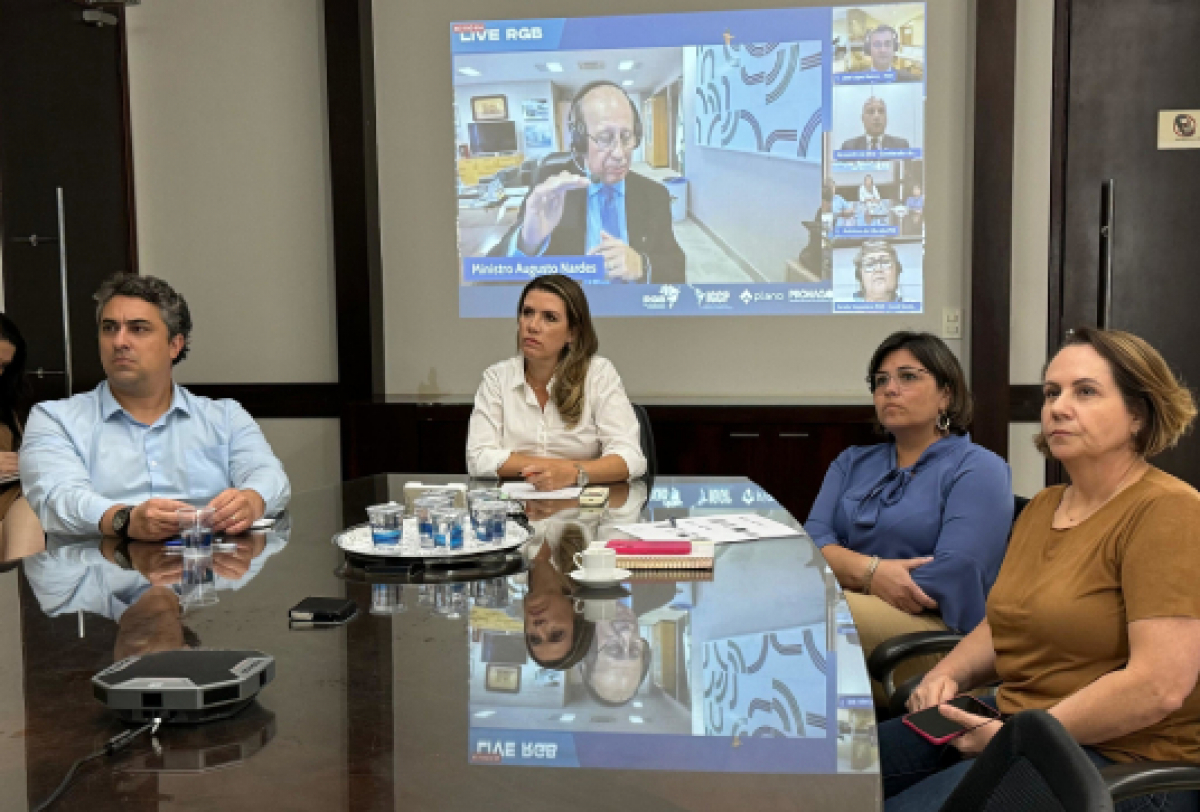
937,729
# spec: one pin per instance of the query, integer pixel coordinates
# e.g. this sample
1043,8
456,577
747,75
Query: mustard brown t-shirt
1061,606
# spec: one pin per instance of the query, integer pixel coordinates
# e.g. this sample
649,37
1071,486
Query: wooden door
63,124
1122,63
660,143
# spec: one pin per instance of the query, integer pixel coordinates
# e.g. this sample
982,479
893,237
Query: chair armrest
1142,777
890,653
898,698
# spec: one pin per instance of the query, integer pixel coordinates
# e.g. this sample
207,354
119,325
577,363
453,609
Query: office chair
647,437
1031,765
528,167
552,164
510,176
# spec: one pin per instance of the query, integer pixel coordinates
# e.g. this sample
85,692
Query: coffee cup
597,562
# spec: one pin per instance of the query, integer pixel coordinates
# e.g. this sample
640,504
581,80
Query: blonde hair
1151,391
571,372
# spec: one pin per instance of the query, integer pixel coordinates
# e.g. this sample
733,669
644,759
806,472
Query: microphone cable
115,744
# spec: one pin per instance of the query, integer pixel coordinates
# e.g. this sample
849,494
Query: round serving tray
357,540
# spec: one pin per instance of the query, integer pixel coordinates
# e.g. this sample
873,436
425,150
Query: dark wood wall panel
991,224
278,399
785,449
354,173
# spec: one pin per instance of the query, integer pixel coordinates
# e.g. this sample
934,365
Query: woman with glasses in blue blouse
915,528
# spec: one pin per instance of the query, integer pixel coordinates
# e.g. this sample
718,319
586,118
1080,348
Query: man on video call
874,119
607,211
880,45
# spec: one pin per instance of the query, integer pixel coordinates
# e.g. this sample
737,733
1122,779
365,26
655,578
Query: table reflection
715,675
81,575
734,670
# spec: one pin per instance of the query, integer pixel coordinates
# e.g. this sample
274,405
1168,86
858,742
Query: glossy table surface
745,690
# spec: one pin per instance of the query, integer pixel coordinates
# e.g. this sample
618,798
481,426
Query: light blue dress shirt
595,203
83,455
73,576
954,504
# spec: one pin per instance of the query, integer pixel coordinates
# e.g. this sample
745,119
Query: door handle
743,435
66,304
1108,210
34,240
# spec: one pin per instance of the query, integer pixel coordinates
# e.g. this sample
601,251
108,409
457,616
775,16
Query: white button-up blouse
507,419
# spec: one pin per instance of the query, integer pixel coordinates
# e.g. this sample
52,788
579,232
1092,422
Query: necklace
1120,486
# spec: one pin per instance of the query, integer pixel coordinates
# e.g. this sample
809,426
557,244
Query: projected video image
714,163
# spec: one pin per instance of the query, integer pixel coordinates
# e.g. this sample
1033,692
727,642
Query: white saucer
618,575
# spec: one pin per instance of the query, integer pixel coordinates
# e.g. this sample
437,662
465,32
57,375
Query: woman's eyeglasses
906,378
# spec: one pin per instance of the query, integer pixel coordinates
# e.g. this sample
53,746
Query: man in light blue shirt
124,457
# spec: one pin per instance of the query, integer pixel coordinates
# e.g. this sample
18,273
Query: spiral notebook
663,555
669,576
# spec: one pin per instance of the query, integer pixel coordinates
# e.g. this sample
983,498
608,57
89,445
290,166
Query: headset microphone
577,129
594,177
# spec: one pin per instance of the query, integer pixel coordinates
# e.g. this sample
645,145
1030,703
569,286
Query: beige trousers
877,621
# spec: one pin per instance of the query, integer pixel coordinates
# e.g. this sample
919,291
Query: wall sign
1179,129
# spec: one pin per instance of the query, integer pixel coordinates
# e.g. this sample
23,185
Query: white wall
1027,463
231,171
310,450
430,350
1031,188
749,201
231,167
1031,220
231,177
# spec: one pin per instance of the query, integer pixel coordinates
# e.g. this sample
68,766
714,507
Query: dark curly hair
171,306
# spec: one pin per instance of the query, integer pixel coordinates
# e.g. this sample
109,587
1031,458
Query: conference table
755,694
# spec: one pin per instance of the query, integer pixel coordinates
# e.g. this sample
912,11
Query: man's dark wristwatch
120,523
120,554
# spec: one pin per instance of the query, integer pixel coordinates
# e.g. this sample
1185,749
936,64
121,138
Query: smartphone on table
937,729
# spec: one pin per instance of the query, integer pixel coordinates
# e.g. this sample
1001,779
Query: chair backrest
510,176
647,444
552,164
1031,765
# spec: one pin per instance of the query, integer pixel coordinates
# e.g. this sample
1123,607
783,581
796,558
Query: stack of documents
717,529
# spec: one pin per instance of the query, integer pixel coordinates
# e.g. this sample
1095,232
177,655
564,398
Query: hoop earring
943,422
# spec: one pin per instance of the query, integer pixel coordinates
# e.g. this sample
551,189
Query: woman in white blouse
556,414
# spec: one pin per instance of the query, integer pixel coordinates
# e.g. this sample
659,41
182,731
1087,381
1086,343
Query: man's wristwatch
121,554
581,480
120,523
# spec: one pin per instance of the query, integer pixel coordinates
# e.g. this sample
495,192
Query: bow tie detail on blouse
886,492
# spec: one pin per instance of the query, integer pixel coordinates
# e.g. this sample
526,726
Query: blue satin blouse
955,504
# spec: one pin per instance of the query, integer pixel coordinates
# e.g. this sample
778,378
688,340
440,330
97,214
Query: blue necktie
608,212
